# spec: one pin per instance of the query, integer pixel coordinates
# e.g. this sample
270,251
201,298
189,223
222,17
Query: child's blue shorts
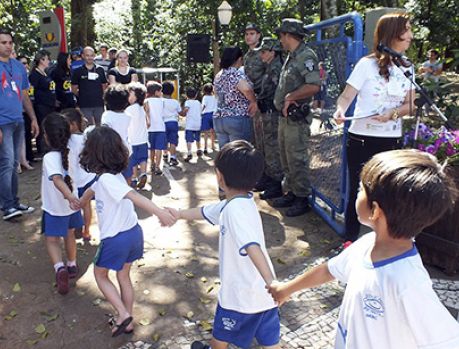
139,154
207,122
128,171
240,329
125,247
191,136
81,190
157,140
59,225
172,129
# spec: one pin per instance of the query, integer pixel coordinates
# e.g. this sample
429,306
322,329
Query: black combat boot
274,190
285,201
300,206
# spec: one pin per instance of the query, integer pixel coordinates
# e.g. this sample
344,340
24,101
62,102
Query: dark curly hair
57,131
116,97
104,152
76,116
139,90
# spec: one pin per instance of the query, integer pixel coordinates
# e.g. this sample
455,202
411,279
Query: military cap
252,26
292,26
270,44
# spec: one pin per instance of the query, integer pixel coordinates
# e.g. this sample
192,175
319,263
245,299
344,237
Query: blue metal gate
339,45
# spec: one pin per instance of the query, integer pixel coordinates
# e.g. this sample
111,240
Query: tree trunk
82,23
136,30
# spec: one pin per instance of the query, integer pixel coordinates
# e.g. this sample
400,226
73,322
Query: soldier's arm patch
309,65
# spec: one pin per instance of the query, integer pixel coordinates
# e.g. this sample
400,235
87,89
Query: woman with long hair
384,95
44,91
61,77
236,99
122,73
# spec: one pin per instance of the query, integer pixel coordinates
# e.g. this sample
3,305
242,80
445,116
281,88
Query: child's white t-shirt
171,109
53,201
120,123
137,131
193,115
242,286
156,106
389,304
209,104
79,176
114,213
377,96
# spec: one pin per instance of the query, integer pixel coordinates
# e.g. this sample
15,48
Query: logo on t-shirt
99,206
222,230
373,307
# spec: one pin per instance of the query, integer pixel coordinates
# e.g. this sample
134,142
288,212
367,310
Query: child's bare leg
70,245
111,293
216,344
212,138
206,135
53,246
173,150
157,161
126,289
277,346
87,216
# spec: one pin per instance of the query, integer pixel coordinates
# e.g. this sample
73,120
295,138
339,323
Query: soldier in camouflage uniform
271,55
299,81
254,68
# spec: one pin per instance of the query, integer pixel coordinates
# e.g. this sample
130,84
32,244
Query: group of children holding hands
389,301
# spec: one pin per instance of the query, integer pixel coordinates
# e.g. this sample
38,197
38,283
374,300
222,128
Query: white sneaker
24,208
11,213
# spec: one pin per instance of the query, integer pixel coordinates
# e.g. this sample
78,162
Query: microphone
405,61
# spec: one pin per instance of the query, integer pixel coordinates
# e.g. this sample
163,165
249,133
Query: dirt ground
177,278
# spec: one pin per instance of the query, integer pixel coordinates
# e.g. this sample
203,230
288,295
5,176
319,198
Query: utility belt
266,105
299,113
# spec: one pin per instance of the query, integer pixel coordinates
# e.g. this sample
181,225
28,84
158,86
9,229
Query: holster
299,113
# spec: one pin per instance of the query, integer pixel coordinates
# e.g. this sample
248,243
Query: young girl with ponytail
61,207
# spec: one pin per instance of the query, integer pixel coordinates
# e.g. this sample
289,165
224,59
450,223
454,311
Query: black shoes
274,190
300,206
285,201
263,183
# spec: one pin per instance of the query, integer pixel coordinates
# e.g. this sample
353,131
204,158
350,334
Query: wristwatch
395,114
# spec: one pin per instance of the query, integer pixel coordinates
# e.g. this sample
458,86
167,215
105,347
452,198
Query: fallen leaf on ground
40,329
209,289
323,306
205,300
162,312
203,279
304,253
145,322
96,302
17,287
205,325
11,315
155,337
32,341
146,292
280,261
189,315
189,275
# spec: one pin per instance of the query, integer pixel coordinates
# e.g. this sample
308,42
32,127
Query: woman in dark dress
61,77
122,73
44,91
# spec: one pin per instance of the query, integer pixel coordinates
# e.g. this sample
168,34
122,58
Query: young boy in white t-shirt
138,135
192,110
157,131
209,107
116,101
171,112
245,309
389,302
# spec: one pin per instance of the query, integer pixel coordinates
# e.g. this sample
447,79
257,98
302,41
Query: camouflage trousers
258,132
270,124
293,142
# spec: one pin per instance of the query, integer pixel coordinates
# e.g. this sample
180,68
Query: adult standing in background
236,99
61,77
299,81
44,92
122,73
384,94
88,84
103,59
27,158
13,98
271,55
432,68
112,57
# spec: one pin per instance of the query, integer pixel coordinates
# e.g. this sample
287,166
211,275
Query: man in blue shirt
14,97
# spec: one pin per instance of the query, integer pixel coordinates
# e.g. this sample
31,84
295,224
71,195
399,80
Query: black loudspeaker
197,48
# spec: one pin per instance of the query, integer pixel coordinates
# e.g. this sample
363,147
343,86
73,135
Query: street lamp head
225,11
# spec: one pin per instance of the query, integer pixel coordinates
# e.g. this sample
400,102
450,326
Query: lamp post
224,12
